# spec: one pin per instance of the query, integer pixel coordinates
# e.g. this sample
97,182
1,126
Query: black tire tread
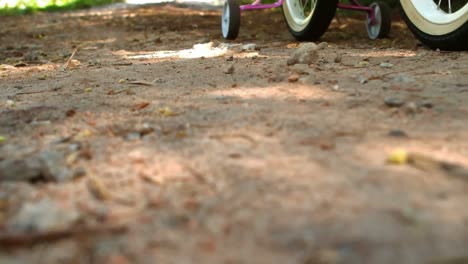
319,23
386,19
234,19
456,40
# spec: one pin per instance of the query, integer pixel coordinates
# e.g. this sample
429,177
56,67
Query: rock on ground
45,166
42,216
307,53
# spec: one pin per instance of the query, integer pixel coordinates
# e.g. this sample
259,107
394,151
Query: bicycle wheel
230,19
439,24
308,19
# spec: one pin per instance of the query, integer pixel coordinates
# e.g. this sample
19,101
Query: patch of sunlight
198,51
278,92
104,14
388,53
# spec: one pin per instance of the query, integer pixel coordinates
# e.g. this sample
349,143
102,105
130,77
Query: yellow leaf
151,179
72,158
88,89
74,63
398,157
98,190
166,111
181,134
2,139
84,134
363,64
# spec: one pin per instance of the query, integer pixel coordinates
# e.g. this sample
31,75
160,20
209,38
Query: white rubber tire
435,27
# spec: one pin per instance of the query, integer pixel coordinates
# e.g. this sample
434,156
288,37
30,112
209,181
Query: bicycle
436,23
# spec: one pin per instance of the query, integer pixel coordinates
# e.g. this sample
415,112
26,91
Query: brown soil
180,162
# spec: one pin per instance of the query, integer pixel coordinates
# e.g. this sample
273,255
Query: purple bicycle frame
258,5
355,5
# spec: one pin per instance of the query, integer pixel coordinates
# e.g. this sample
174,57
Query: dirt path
146,149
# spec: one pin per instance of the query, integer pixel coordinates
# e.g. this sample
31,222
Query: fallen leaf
74,64
140,106
70,112
72,158
150,179
181,134
2,139
97,189
166,111
363,64
88,89
398,157
84,134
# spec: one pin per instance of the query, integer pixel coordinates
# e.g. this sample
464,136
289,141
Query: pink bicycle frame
355,5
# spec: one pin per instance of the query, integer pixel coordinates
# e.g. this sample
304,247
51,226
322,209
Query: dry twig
70,59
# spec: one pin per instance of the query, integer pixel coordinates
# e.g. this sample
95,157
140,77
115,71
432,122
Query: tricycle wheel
380,27
230,21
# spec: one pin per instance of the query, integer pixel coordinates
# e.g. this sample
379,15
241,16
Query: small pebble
338,59
397,133
229,69
411,108
249,47
10,103
394,102
132,136
426,104
363,80
293,78
386,65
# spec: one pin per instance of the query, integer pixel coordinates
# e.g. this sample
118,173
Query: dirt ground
122,142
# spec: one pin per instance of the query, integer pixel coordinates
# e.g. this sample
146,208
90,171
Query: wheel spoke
313,4
304,7
450,6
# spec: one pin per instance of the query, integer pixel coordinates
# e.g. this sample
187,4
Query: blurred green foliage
13,7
